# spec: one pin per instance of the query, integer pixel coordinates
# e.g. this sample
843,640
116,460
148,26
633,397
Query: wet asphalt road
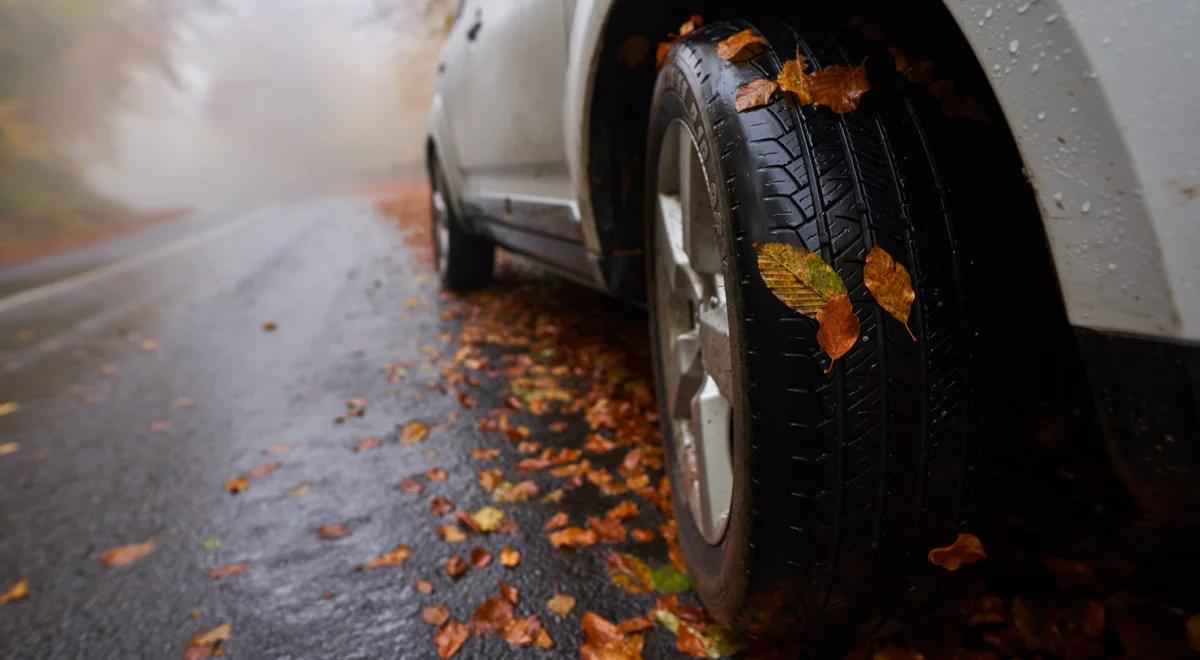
96,468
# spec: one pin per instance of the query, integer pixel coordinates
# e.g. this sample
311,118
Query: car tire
839,482
464,261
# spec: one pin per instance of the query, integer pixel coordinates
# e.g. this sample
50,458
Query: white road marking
125,265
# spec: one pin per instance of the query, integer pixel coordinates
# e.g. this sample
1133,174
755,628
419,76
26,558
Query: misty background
115,114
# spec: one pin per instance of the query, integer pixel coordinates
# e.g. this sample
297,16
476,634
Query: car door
504,90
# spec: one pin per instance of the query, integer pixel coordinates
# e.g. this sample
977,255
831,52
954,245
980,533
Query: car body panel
1098,95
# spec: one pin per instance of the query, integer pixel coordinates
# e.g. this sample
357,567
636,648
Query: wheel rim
693,331
441,225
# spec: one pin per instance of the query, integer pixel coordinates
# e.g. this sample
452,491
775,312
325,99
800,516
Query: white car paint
1100,95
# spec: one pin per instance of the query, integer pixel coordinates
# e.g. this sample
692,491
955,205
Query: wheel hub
693,331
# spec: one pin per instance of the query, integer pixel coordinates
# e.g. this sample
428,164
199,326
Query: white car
1033,164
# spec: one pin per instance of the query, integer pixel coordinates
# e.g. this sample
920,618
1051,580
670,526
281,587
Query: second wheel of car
806,492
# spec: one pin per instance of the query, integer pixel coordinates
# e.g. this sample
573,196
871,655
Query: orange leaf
636,624
491,615
609,529
522,632
396,557
839,88
18,591
561,604
456,567
599,629
228,570
889,282
732,46
642,535
435,474
485,453
489,478
414,432
207,644
424,586
606,642
509,592
754,94
436,615
573,537
598,444
237,485
966,549
411,486
330,532
792,79
440,506
452,533
629,573
623,511
557,521
480,557
279,450
509,557
839,328
126,554
367,444
450,639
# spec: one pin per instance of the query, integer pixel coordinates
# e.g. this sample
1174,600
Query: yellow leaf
414,432
488,518
18,591
732,46
754,94
9,448
561,604
791,78
797,277
8,408
839,328
889,282
966,549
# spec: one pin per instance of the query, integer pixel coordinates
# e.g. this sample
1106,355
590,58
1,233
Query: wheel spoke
683,281
716,347
710,433
699,236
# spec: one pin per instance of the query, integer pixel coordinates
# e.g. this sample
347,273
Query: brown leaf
491,615
126,554
509,557
890,285
330,532
207,644
838,330
839,88
270,326
598,444
799,279
623,511
452,533
958,105
414,432
966,549
561,604
557,521
260,471
485,453
754,94
600,629
280,449
522,632
18,591
228,570
792,79
237,485
367,444
436,474
411,486
573,537
489,478
636,624
609,530
606,642
732,46
456,567
519,492
436,615
450,639
440,506
629,573
480,557
424,586
396,557
509,592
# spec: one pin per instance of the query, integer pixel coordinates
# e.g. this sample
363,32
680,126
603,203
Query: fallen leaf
435,474
696,634
488,518
509,557
126,554
966,549
839,88
664,47
523,632
396,557
456,567
414,432
561,604
520,492
555,496
480,557
643,535
671,581
608,529
424,586
557,521
452,533
451,638
485,453
226,571
211,544
606,642
9,448
799,279
491,615
367,444
791,78
839,328
732,46
890,285
299,491
436,615
598,444
279,450
636,624
509,592
270,326
623,511
260,471
489,478
331,532
440,506
18,591
9,407
573,537
411,486
207,644
237,485
160,426
629,573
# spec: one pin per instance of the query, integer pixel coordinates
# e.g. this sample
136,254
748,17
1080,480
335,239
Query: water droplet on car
1085,207
1111,266
1051,18
1013,46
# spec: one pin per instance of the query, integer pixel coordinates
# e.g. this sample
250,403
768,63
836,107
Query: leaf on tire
889,282
837,87
664,47
799,279
966,549
733,45
839,328
754,94
791,78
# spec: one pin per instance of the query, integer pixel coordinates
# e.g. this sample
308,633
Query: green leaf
668,580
